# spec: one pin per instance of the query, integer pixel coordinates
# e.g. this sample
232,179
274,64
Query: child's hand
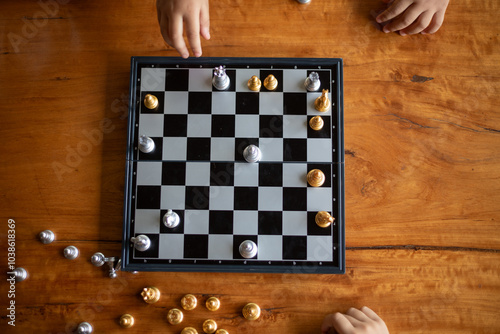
174,14
413,16
355,321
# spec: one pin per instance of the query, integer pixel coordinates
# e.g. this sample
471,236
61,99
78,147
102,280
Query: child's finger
370,313
398,7
341,323
419,25
175,34
436,23
357,314
193,34
405,20
205,23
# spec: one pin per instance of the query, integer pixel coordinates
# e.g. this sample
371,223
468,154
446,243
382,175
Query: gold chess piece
222,331
322,103
175,316
189,330
270,82
324,219
316,123
209,326
315,178
213,303
126,321
251,311
150,101
189,302
150,295
254,83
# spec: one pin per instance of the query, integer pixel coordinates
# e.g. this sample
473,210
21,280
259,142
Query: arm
173,15
355,321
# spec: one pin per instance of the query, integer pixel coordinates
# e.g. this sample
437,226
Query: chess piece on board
324,219
151,101
220,80
171,219
322,103
141,242
252,153
254,83
270,82
312,82
248,249
315,178
316,123
146,144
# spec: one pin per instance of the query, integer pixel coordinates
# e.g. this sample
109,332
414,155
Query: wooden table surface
422,144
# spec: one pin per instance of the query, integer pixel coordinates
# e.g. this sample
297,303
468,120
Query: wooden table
422,142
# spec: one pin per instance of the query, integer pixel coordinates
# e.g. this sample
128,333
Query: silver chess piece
141,242
248,249
252,153
20,274
312,82
303,1
98,260
46,237
71,252
220,80
84,328
146,144
171,219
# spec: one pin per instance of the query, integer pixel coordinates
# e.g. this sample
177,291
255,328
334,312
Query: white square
319,248
149,173
246,222
151,125
199,125
174,148
171,246
311,110
197,173
270,199
222,149
220,247
319,199
242,77
270,247
271,148
173,197
294,175
319,150
221,198
147,221
224,103
176,103
246,174
200,79
247,126
271,103
294,223
293,80
196,221
153,79
295,126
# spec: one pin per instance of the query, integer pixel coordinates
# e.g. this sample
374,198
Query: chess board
198,171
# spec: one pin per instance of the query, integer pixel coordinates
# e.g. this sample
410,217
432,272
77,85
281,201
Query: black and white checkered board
197,168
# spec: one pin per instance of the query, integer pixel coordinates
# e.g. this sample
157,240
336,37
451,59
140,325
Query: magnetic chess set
235,165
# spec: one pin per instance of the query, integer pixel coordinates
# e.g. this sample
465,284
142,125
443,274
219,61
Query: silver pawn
252,153
141,242
20,273
312,82
46,237
98,260
146,144
85,328
248,249
220,80
171,219
71,252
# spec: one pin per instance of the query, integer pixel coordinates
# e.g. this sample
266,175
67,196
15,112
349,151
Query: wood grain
422,140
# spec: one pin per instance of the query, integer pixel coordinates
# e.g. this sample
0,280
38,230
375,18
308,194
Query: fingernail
402,33
185,55
423,33
386,30
197,54
379,20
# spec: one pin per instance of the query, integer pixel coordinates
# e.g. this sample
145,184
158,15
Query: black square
195,246
232,80
161,101
175,126
295,149
270,126
153,250
271,174
270,222
223,125
326,169
295,199
246,198
278,74
148,197
156,154
247,103
198,149
294,248
173,173
325,132
221,174
220,222
314,229
177,80
324,78
176,230
237,240
200,103
295,103
197,198
241,144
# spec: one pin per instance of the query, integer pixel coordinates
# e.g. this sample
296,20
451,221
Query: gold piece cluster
189,302
213,304
175,316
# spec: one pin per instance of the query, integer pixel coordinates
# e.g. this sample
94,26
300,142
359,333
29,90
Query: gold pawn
175,316
209,326
270,82
189,302
213,303
126,321
322,103
151,101
316,123
222,331
324,219
315,178
150,295
251,311
189,330
254,83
